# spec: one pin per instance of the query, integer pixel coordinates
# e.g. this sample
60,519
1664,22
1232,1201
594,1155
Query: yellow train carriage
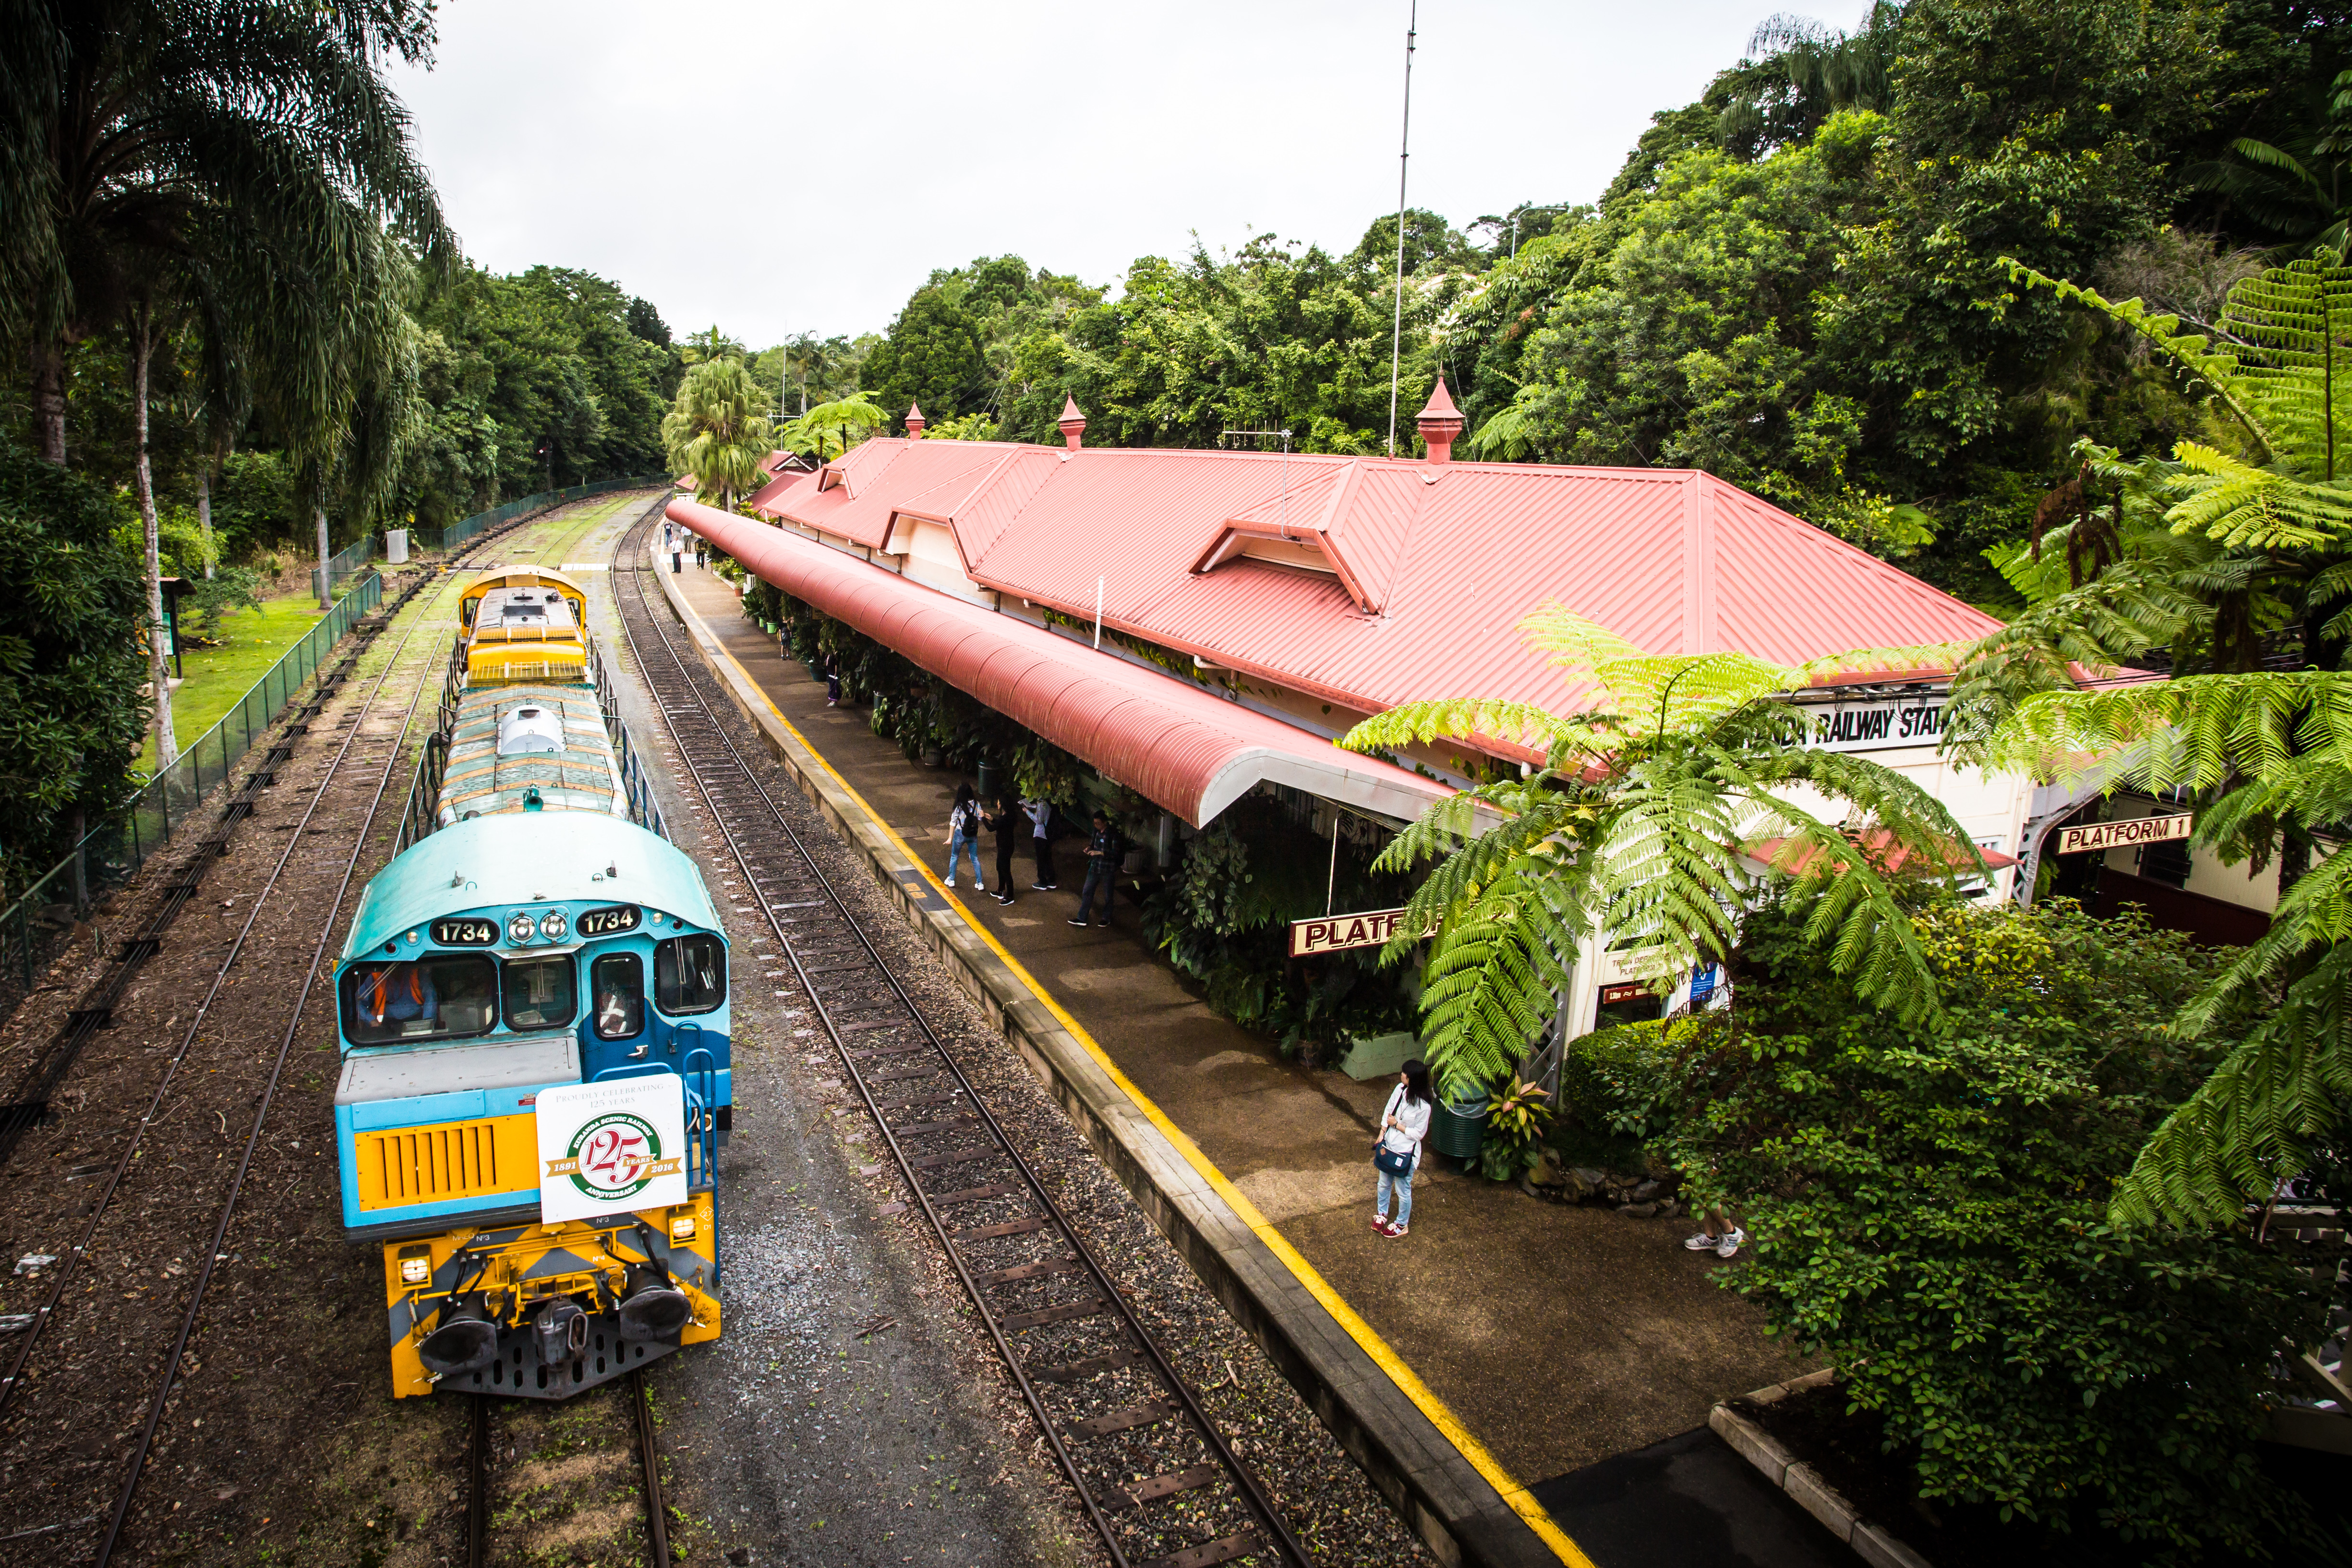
534,633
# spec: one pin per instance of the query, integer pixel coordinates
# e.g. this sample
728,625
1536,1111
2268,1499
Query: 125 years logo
613,1157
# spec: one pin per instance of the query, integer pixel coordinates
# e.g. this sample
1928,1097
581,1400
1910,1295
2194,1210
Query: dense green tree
1928,1214
71,665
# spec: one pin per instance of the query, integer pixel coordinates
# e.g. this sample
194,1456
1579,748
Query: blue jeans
1099,874
961,843
1404,1185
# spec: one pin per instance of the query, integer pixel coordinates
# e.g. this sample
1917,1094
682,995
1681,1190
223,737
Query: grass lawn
218,676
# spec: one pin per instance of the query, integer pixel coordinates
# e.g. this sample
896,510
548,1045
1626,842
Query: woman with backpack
1404,1124
963,835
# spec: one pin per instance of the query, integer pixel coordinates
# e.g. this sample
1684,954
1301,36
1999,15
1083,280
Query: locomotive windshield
445,996
690,974
618,980
540,993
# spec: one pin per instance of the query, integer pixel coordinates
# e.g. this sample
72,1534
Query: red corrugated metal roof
1172,741
1445,559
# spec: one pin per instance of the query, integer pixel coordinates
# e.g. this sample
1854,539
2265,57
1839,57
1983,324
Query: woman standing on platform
1404,1124
964,828
1041,835
1007,825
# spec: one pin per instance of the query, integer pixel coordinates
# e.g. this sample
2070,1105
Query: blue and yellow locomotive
538,952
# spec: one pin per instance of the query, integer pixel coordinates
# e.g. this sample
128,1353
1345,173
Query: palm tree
1650,808
719,430
229,162
2265,756
1803,72
826,431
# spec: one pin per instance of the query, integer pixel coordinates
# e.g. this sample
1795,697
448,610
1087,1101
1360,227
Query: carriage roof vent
531,728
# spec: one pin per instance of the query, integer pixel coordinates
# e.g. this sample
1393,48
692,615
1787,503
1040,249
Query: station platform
1536,1378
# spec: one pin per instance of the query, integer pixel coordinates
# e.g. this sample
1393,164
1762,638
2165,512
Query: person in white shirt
1041,835
1404,1124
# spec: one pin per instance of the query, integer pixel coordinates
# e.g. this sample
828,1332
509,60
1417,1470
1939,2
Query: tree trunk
142,350
49,400
205,514
326,587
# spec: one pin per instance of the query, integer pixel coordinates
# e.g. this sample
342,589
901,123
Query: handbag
1384,1158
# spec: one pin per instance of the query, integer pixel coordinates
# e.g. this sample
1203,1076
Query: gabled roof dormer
1289,530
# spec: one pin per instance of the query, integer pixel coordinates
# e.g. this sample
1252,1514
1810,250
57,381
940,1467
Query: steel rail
10,1383
1279,1538
213,1254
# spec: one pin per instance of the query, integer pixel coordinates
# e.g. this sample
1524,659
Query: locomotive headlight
520,926
681,1227
551,925
415,1270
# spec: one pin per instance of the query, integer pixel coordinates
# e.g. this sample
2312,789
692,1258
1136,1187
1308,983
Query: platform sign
607,1147
2096,835
1336,933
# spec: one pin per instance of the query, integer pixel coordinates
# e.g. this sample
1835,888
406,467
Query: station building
1198,624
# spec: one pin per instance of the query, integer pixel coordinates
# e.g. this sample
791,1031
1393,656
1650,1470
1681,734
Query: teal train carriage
536,1076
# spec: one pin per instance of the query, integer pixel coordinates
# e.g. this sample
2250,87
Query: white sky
786,166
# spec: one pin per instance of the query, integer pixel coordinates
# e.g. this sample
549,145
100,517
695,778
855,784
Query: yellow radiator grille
455,1159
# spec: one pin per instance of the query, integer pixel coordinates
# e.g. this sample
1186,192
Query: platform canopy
1187,749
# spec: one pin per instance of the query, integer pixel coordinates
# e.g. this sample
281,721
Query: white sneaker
980,887
950,881
1731,1243
1702,1242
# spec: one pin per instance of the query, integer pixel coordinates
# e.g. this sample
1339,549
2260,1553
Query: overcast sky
777,167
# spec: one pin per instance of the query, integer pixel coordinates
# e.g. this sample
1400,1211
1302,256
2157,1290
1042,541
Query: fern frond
1458,719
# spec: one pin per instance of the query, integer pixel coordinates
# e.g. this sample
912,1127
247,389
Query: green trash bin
1459,1129
986,786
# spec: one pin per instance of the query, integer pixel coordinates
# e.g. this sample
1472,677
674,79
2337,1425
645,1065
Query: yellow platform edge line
1522,1503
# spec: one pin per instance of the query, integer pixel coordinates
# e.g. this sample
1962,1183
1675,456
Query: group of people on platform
1012,822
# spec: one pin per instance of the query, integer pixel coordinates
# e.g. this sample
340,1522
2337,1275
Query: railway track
1157,1480
355,779
480,1483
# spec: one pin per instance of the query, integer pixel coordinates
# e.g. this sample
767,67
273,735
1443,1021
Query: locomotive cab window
690,974
447,996
540,993
619,983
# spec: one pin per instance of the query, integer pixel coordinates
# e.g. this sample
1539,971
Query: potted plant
1459,1127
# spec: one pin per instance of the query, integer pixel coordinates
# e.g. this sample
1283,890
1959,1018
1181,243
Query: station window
690,974
540,993
619,983
449,997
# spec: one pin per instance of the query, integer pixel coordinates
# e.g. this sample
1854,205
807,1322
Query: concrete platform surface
1551,1338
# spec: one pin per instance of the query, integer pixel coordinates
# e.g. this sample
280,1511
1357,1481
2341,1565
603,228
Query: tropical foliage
1929,1209
68,658
2263,509
1649,805
829,429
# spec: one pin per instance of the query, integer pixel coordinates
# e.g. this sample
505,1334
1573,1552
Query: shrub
1929,1212
1621,1080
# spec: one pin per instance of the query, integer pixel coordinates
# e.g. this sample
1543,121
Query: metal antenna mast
1404,153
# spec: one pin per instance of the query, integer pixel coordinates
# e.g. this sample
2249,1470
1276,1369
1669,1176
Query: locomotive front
534,1090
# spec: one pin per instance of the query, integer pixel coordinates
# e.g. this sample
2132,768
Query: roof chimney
1441,422
1073,422
914,422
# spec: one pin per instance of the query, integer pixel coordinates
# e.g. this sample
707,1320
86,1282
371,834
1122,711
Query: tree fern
1655,799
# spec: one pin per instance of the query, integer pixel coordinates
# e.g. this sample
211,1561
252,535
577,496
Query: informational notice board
609,1146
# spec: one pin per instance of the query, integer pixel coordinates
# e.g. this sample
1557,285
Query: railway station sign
1880,725
2091,837
612,1146
1336,933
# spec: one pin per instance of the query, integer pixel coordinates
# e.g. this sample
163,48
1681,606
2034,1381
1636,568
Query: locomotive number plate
465,934
605,923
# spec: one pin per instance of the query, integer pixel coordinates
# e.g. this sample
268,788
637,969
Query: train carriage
536,1073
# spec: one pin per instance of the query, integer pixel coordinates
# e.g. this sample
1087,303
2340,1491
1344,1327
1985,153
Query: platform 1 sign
1336,933
2097,836
605,1148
